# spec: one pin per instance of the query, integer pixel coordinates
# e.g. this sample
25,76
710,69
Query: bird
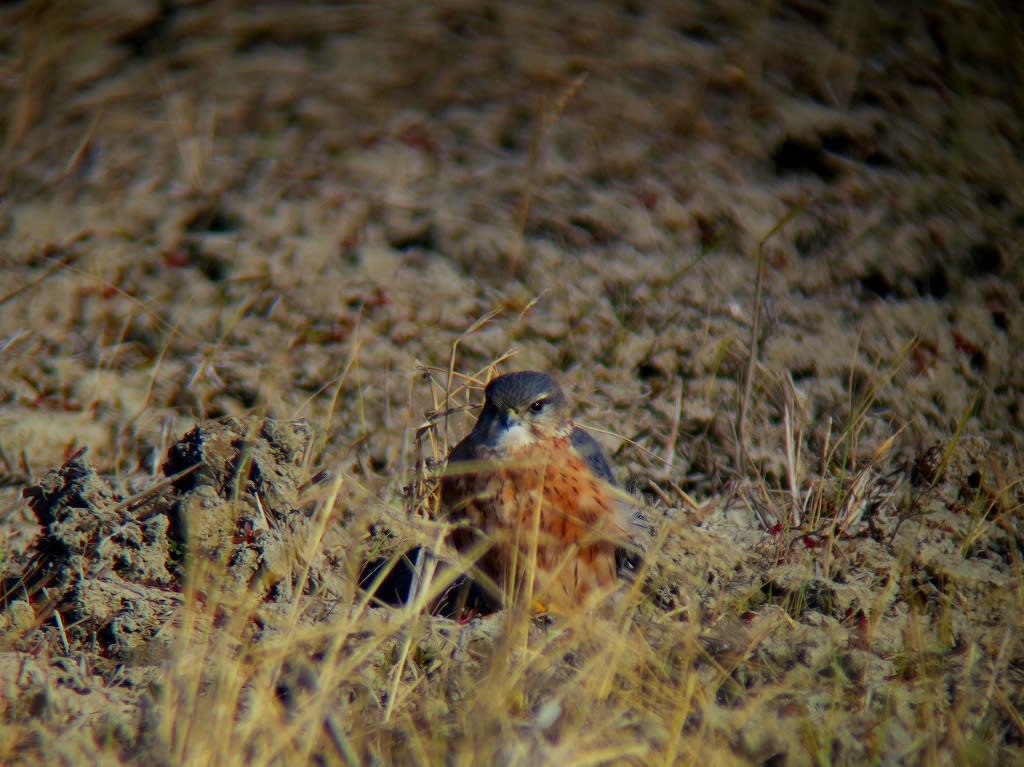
533,500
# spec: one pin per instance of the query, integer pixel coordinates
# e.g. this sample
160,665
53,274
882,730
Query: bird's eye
538,406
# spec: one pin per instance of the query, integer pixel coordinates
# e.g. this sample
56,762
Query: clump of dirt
111,567
241,504
106,573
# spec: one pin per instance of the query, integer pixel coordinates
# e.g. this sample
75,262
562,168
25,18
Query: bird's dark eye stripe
539,405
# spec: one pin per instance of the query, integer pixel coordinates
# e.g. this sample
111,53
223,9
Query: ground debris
110,569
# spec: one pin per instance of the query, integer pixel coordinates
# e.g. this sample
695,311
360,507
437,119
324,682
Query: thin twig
755,331
127,503
677,414
62,264
627,440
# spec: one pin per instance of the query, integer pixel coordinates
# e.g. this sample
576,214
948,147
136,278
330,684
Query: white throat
518,435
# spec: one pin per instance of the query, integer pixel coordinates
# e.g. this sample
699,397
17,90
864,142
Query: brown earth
316,230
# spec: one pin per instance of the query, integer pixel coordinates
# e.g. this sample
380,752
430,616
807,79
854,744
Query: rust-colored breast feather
541,504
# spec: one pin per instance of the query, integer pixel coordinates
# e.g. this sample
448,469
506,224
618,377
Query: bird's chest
541,479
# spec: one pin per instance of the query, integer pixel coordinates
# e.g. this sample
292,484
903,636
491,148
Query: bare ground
316,230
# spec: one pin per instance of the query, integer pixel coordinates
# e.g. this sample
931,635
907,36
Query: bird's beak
509,418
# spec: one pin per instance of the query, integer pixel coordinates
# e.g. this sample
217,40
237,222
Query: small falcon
536,499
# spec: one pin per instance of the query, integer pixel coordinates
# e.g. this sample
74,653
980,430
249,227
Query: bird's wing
589,449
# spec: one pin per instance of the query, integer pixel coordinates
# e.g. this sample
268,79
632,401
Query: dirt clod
112,568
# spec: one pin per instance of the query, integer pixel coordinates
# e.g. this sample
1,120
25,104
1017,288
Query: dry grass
214,210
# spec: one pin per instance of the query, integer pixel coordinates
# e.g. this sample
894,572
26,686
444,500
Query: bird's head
521,408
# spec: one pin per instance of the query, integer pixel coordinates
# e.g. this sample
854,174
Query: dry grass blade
755,336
